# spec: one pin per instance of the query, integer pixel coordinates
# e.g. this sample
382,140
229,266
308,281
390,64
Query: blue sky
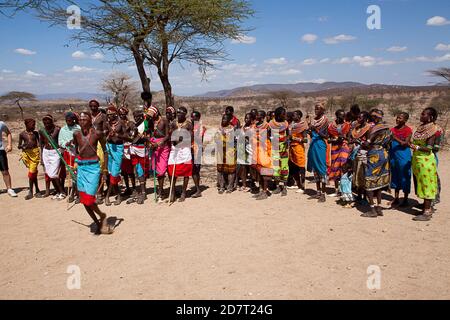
292,41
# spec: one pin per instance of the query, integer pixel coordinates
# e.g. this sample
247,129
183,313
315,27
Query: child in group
345,185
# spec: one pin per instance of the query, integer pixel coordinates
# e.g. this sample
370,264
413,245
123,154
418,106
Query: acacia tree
156,32
192,31
121,86
15,97
441,72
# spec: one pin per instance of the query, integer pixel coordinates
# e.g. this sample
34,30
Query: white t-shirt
3,128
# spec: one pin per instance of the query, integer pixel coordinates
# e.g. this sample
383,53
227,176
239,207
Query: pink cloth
160,157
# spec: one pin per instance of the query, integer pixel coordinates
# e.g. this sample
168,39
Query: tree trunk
145,81
164,77
20,107
163,73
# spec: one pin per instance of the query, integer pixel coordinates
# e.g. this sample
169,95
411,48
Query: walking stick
55,146
154,178
171,185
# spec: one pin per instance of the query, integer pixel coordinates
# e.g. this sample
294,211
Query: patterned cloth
226,150
340,151
262,150
297,148
280,149
377,173
424,165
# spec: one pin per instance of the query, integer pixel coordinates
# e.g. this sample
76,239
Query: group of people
356,151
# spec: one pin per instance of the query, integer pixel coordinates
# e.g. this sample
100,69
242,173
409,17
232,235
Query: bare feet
322,198
262,196
118,200
29,196
423,217
370,214
107,229
395,202
198,194
140,199
182,198
379,211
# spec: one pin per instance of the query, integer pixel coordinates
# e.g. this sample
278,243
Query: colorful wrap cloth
115,153
31,159
88,178
103,158
226,150
340,151
317,156
126,167
377,173
424,164
297,148
140,160
160,157
400,161
180,162
345,187
280,149
262,150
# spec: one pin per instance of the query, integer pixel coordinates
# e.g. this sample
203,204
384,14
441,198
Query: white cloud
313,81
397,49
309,62
437,21
366,61
325,60
7,71
97,56
344,60
338,39
386,62
443,58
24,51
323,19
244,40
309,38
363,61
276,61
78,55
1,78
79,69
442,47
30,73
289,72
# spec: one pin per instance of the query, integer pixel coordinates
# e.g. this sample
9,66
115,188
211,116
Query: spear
55,146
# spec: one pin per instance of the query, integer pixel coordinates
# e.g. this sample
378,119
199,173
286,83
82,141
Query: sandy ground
221,247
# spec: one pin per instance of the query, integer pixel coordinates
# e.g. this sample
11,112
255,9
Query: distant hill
302,88
261,89
71,96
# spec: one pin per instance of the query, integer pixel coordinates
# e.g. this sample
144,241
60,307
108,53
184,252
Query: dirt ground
221,247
